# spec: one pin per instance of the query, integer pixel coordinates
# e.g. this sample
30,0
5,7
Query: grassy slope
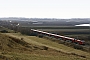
53,45
59,46
23,56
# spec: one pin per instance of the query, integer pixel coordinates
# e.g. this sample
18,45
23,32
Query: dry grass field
35,48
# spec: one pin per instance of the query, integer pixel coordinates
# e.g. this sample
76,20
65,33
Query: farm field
2,28
60,48
59,28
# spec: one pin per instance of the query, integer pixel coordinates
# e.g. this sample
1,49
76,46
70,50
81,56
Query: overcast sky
45,8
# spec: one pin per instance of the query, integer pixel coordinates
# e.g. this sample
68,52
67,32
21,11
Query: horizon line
45,18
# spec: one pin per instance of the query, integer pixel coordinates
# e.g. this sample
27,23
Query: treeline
26,31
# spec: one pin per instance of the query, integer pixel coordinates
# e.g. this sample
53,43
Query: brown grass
18,49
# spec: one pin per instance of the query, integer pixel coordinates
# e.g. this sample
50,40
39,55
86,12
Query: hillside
13,47
9,45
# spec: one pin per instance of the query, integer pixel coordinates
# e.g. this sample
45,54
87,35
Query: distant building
83,25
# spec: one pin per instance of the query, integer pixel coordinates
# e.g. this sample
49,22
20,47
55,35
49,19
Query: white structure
83,25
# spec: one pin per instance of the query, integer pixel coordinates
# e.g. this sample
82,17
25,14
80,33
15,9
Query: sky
45,8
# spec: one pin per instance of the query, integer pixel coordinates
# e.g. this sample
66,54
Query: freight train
64,38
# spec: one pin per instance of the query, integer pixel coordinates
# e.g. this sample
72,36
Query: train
60,37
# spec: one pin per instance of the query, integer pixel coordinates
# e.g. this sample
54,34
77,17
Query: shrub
4,31
45,48
78,47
